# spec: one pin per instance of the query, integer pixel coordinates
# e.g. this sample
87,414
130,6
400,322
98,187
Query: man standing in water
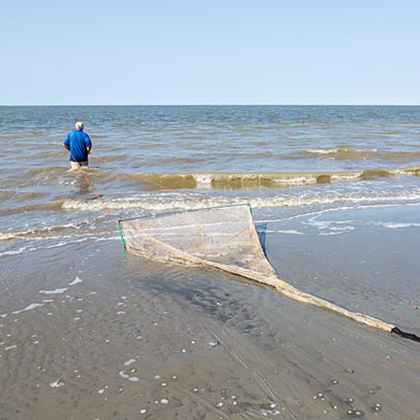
79,145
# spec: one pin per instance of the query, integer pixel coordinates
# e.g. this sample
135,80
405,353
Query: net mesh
224,238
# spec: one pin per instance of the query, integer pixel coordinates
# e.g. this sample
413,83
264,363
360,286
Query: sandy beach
91,332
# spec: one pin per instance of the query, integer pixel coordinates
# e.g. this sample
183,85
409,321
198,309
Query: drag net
223,238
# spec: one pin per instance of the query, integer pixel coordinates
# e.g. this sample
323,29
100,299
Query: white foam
75,281
296,180
405,172
347,177
16,252
321,151
342,229
10,347
29,308
286,232
315,196
396,225
330,233
4,236
203,180
329,224
54,292
335,209
337,151
130,362
267,413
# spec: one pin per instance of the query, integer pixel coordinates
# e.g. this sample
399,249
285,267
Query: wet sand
90,332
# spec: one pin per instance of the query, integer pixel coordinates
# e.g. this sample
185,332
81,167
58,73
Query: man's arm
67,143
89,144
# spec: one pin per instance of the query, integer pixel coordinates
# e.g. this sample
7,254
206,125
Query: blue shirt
78,141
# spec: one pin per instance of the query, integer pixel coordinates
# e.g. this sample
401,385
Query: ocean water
287,159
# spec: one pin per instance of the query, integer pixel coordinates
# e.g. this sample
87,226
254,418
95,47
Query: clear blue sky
209,52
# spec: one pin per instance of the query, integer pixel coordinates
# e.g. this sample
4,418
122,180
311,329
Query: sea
88,330
294,158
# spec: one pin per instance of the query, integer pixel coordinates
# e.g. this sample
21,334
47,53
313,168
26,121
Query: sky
164,52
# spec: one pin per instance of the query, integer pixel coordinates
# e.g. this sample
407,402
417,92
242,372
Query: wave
56,205
203,181
364,154
43,232
317,199
343,153
170,202
396,225
239,180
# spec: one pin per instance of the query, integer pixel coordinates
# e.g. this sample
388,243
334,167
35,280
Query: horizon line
210,104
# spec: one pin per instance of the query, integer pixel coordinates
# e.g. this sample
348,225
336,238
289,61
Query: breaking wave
239,180
168,202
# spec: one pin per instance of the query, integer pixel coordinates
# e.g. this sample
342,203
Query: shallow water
256,152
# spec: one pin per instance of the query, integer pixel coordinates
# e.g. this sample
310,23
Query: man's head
79,126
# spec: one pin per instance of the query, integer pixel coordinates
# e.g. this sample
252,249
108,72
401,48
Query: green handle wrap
250,208
121,234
